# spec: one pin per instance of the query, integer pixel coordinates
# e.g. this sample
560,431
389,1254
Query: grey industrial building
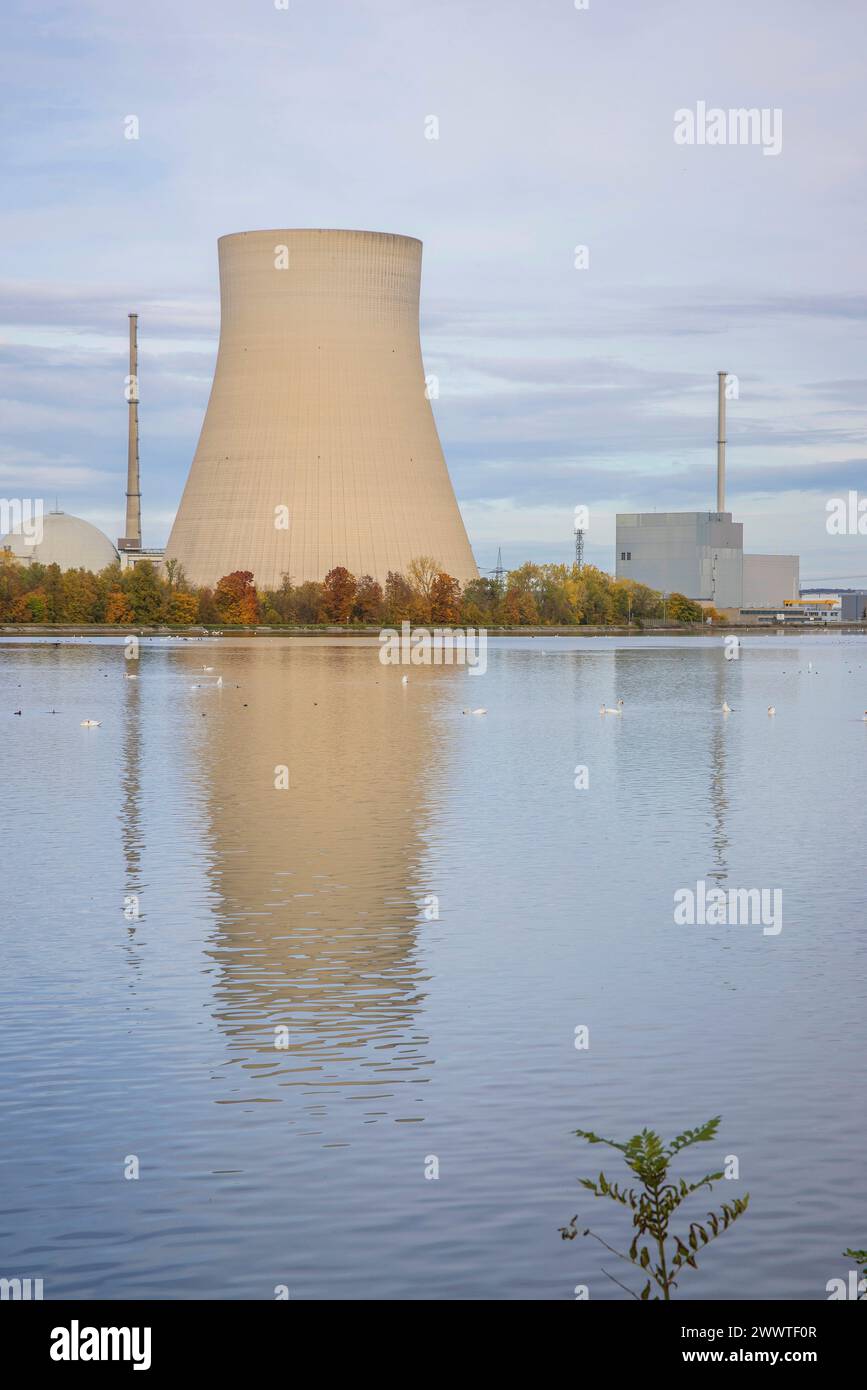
701,554
853,605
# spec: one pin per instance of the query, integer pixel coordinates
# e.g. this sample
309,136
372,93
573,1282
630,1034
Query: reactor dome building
67,541
319,446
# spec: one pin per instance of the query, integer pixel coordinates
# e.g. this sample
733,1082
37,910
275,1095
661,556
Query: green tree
145,593
79,597
282,601
479,601
307,602
683,610
52,586
208,614
11,588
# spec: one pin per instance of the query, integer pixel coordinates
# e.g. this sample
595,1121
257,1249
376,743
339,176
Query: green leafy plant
664,1255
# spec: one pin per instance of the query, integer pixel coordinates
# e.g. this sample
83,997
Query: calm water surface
411,1035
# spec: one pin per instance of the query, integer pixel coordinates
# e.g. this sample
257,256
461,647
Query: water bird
603,709
128,676
772,709
404,680
207,668
474,711
90,723
16,711
726,707
219,680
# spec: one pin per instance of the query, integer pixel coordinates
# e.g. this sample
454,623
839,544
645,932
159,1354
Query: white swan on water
90,723
772,709
604,709
726,707
474,711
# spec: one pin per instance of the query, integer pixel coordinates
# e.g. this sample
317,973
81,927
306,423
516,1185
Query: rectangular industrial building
698,554
771,580
853,605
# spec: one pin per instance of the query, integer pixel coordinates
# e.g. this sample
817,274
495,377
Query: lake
286,1007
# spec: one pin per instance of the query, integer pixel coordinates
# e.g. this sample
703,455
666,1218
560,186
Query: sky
560,384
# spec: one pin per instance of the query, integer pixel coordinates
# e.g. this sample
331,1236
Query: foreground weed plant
664,1255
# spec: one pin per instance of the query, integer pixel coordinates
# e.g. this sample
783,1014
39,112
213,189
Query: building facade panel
770,580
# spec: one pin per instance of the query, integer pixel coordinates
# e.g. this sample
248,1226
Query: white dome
66,541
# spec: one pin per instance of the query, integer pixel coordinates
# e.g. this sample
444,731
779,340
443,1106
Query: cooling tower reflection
318,884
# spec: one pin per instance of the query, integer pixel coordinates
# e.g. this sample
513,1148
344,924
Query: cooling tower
319,446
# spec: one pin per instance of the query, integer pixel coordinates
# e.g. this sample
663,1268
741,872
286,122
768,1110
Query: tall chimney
721,445
132,533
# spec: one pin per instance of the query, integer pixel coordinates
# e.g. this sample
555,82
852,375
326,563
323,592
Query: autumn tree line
144,595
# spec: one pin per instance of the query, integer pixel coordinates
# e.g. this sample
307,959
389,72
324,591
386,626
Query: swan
219,680
207,668
772,709
90,723
404,680
604,710
128,676
726,707
474,711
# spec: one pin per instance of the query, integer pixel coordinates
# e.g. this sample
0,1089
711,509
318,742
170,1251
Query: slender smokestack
721,445
132,533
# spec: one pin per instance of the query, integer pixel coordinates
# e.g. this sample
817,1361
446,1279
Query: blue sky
558,386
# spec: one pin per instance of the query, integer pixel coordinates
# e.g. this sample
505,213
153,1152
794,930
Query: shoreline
335,630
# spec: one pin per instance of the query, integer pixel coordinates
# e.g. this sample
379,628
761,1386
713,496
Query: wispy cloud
557,385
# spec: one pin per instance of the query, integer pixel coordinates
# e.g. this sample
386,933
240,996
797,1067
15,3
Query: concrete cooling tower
319,446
